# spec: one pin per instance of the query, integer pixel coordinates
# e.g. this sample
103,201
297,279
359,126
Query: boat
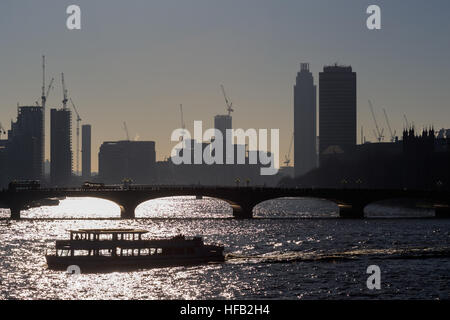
118,249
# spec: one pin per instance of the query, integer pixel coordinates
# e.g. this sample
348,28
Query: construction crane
379,134
78,134
227,101
64,92
126,130
44,96
392,133
183,125
287,158
43,81
362,135
50,86
406,121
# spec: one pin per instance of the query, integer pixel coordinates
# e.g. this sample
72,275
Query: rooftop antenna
227,101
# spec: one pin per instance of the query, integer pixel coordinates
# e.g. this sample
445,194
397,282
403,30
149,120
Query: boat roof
109,231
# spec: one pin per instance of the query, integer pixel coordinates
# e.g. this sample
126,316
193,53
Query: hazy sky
137,60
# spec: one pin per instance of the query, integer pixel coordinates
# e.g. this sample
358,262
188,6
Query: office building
305,132
60,147
222,123
135,160
25,145
337,110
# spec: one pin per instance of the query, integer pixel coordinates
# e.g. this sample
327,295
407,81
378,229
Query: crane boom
126,130
288,156
227,101
49,88
392,133
183,125
406,121
379,134
43,96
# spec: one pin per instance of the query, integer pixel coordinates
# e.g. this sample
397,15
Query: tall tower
222,123
86,151
337,109
60,147
305,132
25,147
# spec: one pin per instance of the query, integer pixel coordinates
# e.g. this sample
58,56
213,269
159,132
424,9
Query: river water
293,249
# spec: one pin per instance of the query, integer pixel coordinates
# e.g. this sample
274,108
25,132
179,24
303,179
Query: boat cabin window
106,235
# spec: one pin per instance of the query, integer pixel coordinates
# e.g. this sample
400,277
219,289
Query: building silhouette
25,148
3,164
86,151
418,161
135,160
223,123
337,110
305,132
60,147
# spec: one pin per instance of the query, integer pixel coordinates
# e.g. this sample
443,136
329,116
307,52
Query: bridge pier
127,210
15,212
242,212
351,211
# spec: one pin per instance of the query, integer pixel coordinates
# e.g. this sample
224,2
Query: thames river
293,249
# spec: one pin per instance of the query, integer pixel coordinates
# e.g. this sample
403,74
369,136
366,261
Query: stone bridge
351,202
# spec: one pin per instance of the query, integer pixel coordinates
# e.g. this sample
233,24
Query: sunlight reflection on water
23,272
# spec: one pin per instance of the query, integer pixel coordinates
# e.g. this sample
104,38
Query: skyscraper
25,146
60,147
222,123
337,110
86,151
305,132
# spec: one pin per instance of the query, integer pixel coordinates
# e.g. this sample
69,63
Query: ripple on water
273,258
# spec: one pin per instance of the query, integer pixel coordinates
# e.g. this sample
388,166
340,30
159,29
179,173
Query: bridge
351,202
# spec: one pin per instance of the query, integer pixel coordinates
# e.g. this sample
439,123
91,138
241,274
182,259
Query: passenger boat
116,249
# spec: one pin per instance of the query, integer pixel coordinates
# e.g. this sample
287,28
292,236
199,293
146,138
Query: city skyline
114,77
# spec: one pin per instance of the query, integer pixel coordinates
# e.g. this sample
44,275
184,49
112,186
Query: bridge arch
297,207
75,207
400,208
189,205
